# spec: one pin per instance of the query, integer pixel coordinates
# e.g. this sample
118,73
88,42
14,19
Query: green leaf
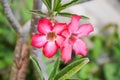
97,47
117,51
71,69
71,3
57,3
84,17
111,71
72,79
38,69
38,12
2,64
65,14
48,4
55,69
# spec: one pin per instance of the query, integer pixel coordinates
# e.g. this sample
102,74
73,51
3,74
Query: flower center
51,36
73,38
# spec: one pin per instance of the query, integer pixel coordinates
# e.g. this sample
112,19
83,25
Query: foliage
57,8
104,55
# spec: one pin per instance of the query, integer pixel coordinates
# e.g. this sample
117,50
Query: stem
37,4
14,70
11,18
21,55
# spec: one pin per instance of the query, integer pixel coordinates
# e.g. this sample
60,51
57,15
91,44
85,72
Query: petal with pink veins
44,26
74,24
59,40
38,40
80,47
84,30
66,52
50,49
66,33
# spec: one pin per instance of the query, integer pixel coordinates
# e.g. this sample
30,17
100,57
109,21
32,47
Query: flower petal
74,24
38,40
44,26
66,52
59,40
80,47
84,30
66,33
50,49
59,27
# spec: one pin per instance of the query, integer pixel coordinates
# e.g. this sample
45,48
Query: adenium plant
73,41
50,36
53,35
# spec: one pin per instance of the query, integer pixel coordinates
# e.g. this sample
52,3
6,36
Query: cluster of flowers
67,37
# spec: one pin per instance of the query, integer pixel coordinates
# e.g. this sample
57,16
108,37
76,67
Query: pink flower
73,39
49,37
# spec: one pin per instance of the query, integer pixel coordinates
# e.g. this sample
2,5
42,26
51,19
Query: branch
24,61
11,18
21,53
37,52
17,54
21,61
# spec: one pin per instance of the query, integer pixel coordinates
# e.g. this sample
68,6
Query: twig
21,61
37,52
21,55
24,60
19,65
15,67
8,12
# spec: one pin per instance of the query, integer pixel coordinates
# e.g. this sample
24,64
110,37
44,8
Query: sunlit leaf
117,51
37,66
55,69
71,69
72,79
111,71
97,47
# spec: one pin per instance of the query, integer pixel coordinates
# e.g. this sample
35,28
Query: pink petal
50,49
66,52
80,48
66,33
38,40
44,26
59,40
84,30
59,27
74,24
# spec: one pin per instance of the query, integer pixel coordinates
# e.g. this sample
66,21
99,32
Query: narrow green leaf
72,79
38,12
84,17
57,3
38,69
71,69
71,3
65,14
55,69
48,4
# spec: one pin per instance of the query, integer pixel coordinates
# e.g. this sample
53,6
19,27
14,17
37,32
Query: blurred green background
104,52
